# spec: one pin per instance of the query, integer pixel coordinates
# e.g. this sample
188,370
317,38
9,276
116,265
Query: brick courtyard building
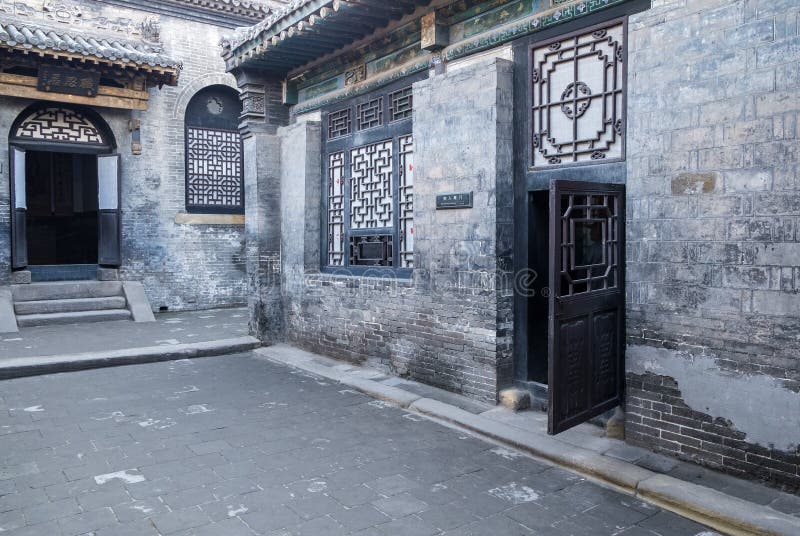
119,146
593,200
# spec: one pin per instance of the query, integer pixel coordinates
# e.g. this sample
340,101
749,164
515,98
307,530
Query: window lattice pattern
590,249
339,123
336,209
406,200
401,104
214,168
59,124
370,114
371,197
578,85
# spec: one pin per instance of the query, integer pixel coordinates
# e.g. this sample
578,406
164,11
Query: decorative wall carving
355,75
67,13
578,87
254,101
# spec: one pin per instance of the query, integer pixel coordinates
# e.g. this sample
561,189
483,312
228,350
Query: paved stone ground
168,329
587,435
237,445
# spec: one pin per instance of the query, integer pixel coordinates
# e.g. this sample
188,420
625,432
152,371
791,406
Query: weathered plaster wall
450,325
181,266
713,252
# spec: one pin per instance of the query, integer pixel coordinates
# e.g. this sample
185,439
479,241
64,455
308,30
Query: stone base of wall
658,418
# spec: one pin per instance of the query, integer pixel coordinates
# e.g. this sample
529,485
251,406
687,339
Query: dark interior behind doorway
538,293
61,191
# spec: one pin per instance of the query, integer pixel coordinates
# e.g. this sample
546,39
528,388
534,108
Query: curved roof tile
112,51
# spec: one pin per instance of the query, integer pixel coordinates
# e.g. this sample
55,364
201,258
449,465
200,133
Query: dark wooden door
587,302
109,229
19,207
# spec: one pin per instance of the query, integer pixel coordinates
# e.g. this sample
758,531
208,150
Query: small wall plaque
455,200
68,81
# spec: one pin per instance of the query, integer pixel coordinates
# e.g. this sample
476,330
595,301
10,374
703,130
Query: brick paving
168,329
240,446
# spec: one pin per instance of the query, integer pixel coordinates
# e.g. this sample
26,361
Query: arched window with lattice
214,163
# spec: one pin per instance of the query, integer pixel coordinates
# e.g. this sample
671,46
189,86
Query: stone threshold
36,366
721,511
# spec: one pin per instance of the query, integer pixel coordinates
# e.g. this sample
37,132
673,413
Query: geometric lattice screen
214,168
578,86
59,125
590,244
370,182
371,195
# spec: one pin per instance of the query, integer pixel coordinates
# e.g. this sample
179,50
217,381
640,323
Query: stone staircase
69,302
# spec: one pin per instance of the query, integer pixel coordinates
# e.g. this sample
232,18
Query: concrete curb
619,474
722,512
36,366
714,508
8,319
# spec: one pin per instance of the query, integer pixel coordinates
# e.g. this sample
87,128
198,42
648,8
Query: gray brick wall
713,252
450,325
181,266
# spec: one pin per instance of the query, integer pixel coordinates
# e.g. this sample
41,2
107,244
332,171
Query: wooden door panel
109,225
587,301
605,348
19,226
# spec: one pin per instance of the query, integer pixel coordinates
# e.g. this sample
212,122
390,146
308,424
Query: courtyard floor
239,445
169,329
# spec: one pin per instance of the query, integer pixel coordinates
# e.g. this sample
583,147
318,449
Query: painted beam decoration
389,41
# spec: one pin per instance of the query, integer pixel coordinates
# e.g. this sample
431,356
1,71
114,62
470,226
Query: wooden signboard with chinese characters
68,81
14,85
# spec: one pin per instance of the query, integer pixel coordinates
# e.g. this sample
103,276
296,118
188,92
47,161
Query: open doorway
538,294
62,215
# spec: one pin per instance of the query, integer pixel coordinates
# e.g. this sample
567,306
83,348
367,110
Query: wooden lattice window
61,125
578,98
214,160
369,183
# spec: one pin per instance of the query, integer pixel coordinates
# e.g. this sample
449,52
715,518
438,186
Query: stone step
74,305
27,321
66,290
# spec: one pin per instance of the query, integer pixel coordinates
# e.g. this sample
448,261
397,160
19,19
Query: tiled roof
260,7
25,36
242,35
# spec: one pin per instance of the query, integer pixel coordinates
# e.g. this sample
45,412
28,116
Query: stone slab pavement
241,445
169,329
729,504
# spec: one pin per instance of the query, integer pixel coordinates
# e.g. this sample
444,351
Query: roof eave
313,31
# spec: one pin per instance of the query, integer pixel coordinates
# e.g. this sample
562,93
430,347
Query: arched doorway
65,193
